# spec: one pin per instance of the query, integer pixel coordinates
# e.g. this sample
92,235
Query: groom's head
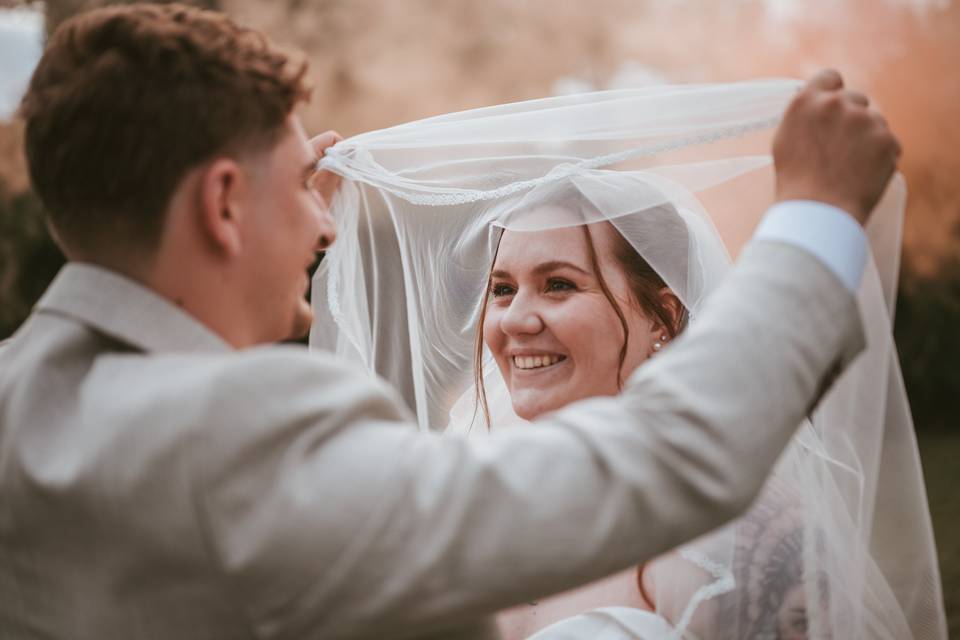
161,141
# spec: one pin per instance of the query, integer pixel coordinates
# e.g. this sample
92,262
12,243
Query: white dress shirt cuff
828,233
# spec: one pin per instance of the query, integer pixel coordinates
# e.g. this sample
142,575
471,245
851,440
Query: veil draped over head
839,543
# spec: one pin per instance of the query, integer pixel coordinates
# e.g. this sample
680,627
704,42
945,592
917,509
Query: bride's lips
527,362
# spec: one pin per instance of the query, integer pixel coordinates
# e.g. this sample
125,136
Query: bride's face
554,334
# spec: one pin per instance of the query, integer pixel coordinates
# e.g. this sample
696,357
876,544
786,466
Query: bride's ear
675,311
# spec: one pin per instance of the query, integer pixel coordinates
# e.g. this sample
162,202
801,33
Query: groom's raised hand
326,183
833,148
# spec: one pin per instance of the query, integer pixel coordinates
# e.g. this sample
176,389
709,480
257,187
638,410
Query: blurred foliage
28,257
939,451
927,334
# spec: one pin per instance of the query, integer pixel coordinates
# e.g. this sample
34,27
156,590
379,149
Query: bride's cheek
491,333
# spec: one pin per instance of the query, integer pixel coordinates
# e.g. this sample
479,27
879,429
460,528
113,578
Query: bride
498,264
561,330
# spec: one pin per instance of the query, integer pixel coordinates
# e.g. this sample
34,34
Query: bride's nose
521,317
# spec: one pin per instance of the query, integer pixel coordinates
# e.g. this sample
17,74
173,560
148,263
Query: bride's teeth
535,362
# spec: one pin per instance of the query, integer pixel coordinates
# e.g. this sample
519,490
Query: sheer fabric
839,543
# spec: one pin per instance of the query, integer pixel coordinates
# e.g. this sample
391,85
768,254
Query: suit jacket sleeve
331,516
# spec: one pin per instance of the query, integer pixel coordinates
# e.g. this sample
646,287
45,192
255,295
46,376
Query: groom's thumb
826,80
325,140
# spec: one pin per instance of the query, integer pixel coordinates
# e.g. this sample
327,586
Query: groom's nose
327,231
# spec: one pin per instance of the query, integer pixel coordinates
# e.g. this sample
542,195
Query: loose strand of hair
595,263
480,390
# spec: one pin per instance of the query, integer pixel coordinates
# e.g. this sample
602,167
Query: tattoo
769,601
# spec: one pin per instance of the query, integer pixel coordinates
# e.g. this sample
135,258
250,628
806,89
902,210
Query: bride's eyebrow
543,267
554,265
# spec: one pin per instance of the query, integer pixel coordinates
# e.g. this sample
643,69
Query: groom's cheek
302,320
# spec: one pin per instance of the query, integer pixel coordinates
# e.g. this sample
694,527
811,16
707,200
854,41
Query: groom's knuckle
892,147
896,146
880,132
883,129
802,98
833,101
862,118
827,107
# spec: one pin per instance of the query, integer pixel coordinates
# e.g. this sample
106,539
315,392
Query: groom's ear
224,190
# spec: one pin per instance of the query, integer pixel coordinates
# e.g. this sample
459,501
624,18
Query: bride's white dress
609,623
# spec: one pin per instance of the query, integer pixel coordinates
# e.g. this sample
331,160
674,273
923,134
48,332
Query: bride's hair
645,283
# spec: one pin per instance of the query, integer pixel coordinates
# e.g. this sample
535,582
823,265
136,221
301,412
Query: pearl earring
659,344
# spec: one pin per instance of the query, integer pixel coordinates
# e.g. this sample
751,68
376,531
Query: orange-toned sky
378,63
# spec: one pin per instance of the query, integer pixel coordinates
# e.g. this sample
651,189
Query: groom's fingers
325,183
324,141
826,80
857,98
833,148
882,126
829,82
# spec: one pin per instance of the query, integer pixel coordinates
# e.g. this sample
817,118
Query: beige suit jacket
156,484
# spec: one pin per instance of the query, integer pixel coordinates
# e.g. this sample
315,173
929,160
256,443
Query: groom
163,476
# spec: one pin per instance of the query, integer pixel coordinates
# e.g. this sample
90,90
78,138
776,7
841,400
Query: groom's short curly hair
127,99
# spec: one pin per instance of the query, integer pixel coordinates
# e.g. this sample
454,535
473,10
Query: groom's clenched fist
833,148
326,183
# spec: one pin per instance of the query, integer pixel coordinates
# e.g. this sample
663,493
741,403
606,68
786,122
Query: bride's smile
550,322
527,362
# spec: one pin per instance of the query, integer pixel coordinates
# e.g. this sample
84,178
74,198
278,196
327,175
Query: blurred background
376,63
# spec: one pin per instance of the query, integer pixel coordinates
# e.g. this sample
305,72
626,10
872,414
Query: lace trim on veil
723,582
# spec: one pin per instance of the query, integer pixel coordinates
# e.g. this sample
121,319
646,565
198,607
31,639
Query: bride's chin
529,408
302,320
528,414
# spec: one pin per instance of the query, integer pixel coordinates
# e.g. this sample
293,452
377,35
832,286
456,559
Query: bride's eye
558,285
499,290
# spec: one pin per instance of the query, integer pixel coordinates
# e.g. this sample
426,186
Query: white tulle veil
839,544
